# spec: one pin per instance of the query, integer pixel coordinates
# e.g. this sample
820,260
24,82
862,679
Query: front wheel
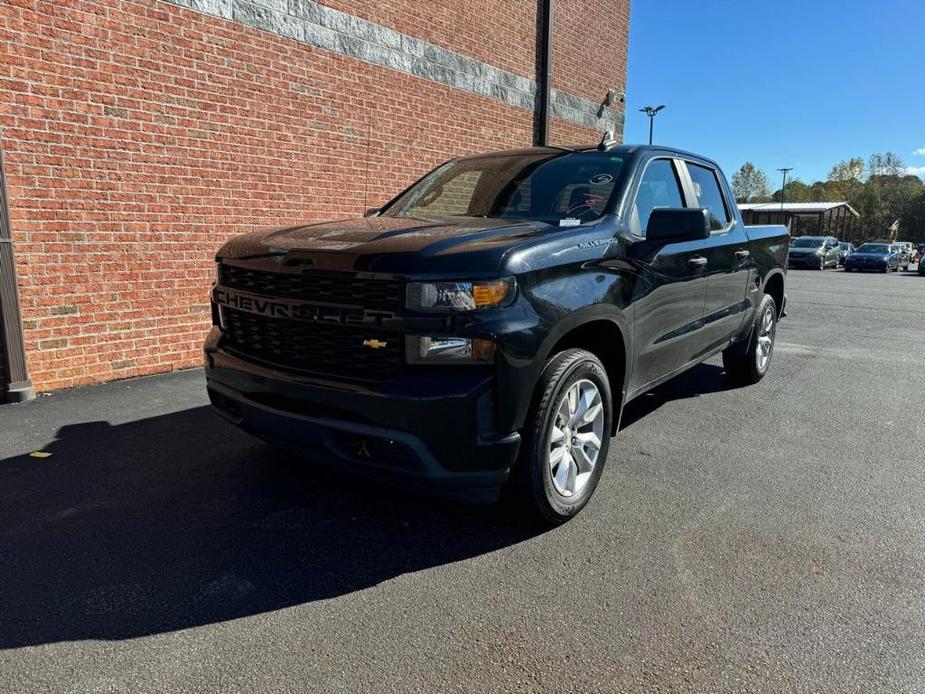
748,363
566,437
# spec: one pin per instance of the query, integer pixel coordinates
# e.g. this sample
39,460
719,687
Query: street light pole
783,191
651,112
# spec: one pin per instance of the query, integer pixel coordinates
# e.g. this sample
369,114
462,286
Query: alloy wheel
575,437
766,331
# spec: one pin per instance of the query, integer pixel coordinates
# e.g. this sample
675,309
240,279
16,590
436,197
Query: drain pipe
15,385
546,72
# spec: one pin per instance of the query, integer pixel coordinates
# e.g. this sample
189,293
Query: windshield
808,242
547,187
844,246
874,248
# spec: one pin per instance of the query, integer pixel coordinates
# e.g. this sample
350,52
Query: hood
803,251
380,244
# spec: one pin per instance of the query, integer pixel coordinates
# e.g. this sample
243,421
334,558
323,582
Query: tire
748,362
538,483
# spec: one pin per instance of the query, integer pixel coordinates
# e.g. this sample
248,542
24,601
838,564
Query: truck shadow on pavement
700,380
181,520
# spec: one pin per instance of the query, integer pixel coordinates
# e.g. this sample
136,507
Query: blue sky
782,83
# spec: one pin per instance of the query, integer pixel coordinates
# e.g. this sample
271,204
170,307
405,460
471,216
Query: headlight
449,350
459,296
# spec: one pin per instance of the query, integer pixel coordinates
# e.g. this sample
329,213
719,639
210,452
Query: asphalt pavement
760,539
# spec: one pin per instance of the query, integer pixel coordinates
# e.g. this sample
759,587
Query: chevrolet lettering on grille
296,310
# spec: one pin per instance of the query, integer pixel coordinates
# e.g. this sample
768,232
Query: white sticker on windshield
569,222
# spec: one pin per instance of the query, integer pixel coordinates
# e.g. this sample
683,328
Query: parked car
904,253
913,252
882,257
484,329
845,248
814,252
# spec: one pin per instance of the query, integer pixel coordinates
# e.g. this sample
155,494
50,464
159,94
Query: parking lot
770,538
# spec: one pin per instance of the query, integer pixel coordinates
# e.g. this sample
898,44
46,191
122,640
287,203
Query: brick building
137,135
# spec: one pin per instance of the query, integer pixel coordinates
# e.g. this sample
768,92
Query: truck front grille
317,287
328,350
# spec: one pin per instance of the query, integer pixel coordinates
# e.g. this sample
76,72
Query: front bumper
435,431
810,260
873,265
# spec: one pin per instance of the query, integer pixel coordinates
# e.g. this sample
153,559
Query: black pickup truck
481,333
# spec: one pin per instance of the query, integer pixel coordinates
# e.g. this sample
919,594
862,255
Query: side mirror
674,225
372,212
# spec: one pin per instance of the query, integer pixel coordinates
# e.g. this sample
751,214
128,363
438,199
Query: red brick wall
590,47
499,32
139,135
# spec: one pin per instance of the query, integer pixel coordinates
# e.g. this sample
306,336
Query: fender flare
576,319
772,273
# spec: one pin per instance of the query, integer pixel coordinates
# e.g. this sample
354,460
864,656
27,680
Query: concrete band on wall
332,30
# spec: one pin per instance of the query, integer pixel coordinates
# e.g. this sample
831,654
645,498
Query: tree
846,180
750,184
797,191
886,164
914,222
824,191
888,195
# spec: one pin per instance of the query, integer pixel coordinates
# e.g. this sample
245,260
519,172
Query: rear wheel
748,362
566,437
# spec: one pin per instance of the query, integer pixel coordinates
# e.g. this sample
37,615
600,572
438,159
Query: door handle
742,255
699,261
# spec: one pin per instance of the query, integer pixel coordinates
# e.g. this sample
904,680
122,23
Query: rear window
709,195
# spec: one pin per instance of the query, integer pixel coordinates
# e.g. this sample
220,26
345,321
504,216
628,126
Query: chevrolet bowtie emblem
375,344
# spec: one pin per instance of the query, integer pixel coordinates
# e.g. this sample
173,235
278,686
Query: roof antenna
607,141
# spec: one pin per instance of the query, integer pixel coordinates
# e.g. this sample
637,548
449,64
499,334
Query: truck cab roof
625,150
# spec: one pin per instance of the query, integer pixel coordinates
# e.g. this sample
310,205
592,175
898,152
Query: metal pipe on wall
546,72
15,385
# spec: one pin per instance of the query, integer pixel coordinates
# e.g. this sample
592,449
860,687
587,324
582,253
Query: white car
911,249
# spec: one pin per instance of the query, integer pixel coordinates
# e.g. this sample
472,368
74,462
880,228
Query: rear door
728,265
670,287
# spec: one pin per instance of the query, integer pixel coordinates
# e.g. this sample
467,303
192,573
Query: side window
659,188
709,195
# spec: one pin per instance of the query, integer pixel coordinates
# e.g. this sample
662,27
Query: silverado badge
375,344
